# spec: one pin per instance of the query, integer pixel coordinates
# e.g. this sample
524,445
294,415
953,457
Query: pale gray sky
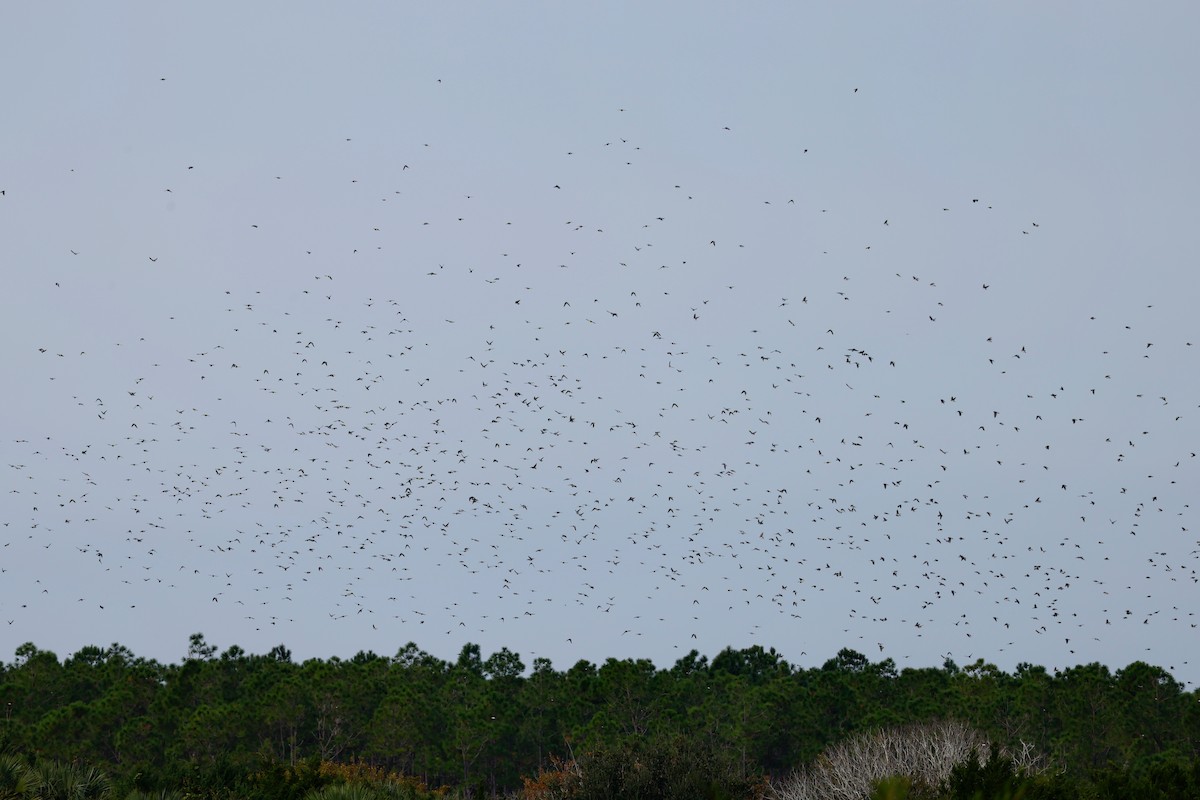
609,331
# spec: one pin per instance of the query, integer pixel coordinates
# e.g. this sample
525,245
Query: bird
531,417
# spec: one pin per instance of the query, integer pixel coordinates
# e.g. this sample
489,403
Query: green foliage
999,778
275,780
391,790
229,724
1165,779
57,781
162,794
17,780
675,768
899,787
990,779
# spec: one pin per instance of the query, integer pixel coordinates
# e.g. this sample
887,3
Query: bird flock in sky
602,406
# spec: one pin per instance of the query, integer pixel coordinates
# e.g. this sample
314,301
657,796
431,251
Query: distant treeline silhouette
239,724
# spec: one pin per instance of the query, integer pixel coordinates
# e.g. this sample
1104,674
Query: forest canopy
486,725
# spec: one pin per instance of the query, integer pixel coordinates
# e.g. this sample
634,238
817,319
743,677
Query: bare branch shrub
925,753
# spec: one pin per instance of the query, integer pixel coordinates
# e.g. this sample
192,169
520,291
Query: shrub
924,755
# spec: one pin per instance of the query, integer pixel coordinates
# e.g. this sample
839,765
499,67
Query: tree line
216,722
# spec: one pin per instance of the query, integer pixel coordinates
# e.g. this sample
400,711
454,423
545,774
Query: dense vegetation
235,724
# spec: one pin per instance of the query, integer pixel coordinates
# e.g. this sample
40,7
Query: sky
606,330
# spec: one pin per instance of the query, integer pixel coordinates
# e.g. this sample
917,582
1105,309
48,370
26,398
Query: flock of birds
613,407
